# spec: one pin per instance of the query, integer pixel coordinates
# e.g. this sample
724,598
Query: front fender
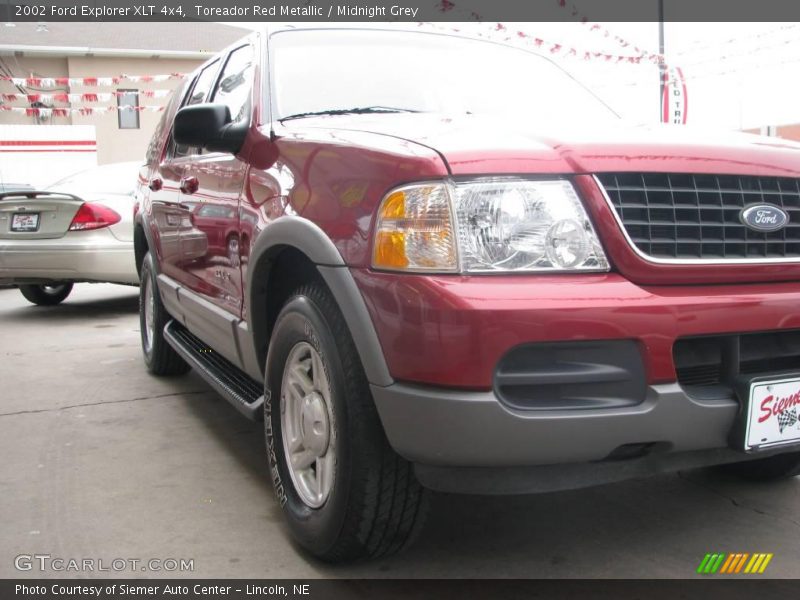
305,236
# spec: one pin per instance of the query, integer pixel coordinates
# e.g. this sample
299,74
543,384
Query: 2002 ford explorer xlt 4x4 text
430,262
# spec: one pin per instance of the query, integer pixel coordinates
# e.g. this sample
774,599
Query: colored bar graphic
741,562
718,563
733,563
758,562
704,563
749,567
765,563
731,560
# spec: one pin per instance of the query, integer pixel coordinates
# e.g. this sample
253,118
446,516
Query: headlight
500,224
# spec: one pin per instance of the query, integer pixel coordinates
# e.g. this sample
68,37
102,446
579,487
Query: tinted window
236,82
155,146
202,86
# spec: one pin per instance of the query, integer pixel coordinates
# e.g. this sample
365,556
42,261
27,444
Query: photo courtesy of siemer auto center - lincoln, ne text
417,298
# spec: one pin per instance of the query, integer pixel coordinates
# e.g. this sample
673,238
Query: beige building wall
113,144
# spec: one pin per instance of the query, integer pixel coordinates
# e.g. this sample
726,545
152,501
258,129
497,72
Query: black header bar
398,10
395,589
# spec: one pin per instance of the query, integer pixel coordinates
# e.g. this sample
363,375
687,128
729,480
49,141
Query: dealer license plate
25,222
773,414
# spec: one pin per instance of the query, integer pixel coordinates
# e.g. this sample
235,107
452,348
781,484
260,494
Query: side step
229,381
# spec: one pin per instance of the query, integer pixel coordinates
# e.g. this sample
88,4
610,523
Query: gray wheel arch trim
141,222
308,238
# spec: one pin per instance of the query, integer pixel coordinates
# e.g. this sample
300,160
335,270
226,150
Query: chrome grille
682,216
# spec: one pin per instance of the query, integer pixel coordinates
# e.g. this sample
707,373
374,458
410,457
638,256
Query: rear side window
236,83
157,141
202,86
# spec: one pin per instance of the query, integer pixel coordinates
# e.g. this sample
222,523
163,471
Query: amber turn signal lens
390,250
414,230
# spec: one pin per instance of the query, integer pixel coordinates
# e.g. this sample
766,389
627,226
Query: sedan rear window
119,178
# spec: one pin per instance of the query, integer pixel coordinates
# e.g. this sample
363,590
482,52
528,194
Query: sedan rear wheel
46,294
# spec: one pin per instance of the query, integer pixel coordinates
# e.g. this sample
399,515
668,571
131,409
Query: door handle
155,184
189,185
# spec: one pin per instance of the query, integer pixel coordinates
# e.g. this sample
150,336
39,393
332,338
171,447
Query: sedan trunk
36,215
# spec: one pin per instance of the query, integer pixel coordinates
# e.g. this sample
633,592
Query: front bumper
468,442
474,429
444,337
77,256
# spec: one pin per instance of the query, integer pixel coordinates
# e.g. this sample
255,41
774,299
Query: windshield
329,70
118,178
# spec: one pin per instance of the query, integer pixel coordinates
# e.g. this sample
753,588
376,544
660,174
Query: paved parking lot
101,460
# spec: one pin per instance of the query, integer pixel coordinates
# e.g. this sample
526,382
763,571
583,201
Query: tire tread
389,513
163,359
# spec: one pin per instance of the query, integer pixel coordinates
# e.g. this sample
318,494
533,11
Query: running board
230,382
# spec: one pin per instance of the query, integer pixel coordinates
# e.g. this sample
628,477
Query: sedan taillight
93,216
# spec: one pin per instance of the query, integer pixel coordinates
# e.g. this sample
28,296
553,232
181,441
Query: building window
128,109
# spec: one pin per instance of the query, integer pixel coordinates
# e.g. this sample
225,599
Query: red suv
441,263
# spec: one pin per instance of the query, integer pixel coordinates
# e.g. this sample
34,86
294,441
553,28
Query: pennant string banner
71,98
607,33
84,110
502,32
51,82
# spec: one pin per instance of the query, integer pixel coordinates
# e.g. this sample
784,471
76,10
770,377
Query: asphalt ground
102,461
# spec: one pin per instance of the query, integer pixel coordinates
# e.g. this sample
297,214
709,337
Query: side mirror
209,126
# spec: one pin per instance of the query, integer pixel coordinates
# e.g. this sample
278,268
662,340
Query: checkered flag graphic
787,418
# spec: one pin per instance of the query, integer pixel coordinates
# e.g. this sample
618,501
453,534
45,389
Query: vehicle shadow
74,309
242,438
561,534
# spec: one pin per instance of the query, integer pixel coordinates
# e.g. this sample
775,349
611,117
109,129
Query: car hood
483,145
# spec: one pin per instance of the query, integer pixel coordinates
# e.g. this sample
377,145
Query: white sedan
80,229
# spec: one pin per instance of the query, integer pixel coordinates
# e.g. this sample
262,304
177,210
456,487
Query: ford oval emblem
764,217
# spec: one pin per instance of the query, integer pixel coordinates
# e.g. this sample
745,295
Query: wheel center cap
314,423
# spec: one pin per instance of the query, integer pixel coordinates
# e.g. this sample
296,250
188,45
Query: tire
374,505
159,356
772,468
46,295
